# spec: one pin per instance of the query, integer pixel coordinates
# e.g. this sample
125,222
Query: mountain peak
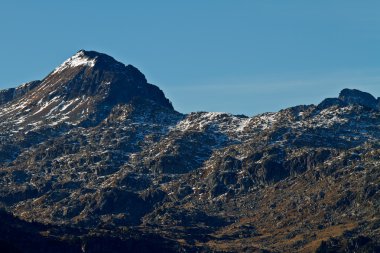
353,96
84,87
92,73
85,58
78,59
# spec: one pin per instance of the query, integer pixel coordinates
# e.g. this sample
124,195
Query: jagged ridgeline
94,155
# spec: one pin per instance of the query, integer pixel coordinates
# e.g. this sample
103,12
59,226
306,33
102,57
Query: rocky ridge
95,146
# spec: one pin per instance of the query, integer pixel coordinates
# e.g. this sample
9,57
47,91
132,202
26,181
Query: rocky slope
95,148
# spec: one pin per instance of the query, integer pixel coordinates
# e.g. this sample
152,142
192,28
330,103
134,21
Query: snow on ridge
224,122
329,117
79,59
266,120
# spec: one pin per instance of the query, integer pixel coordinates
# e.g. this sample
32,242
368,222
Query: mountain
83,89
94,149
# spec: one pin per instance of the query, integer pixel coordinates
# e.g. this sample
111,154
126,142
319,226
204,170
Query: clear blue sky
234,56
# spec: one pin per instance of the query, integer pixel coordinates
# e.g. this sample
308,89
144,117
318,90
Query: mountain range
93,158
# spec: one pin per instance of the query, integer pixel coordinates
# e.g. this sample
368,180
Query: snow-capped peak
79,59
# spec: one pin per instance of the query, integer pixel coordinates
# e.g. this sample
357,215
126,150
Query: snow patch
79,59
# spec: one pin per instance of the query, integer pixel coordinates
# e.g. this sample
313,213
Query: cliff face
95,148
